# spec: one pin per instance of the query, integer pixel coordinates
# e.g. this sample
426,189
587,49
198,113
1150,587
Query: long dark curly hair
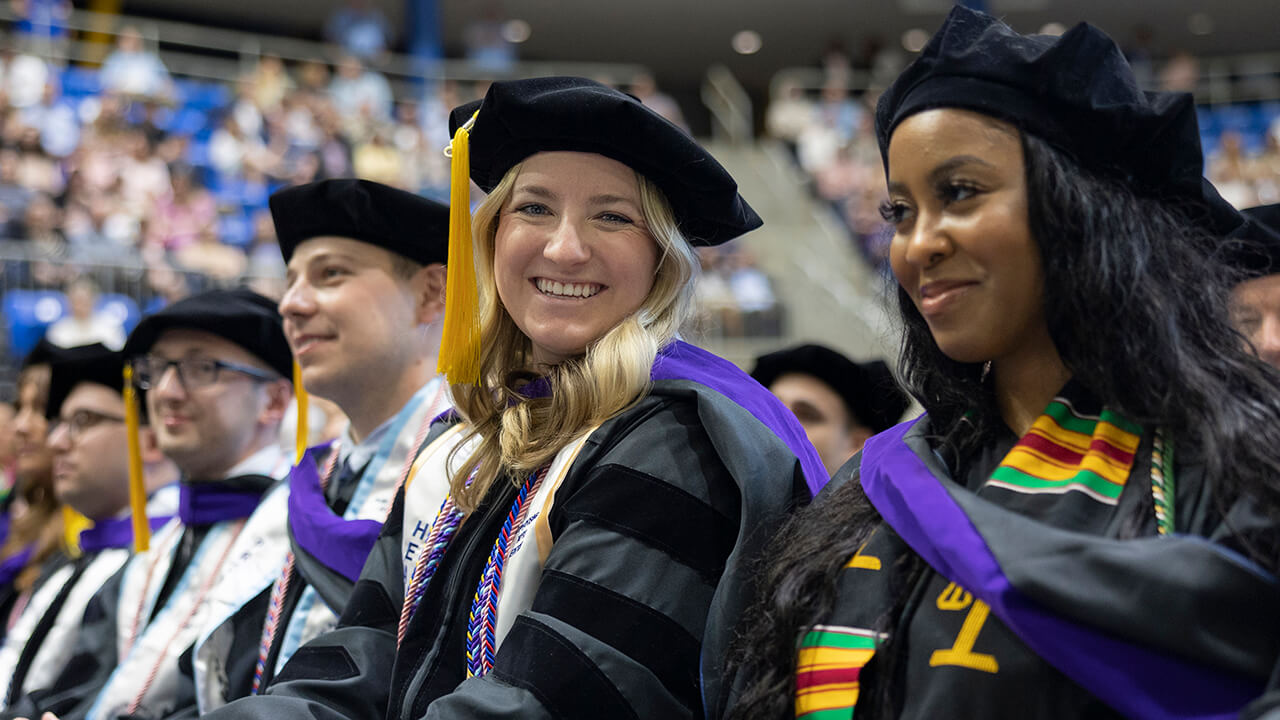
1136,302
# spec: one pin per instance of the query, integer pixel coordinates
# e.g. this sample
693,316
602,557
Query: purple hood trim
342,545
1136,680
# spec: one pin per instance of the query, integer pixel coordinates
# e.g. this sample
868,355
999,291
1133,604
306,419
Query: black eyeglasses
82,420
192,372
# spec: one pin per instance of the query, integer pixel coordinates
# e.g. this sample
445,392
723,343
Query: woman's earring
986,370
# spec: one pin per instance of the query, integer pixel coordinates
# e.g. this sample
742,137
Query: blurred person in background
25,76
360,28
43,21
753,292
361,96
36,168
85,325
222,264
41,228
180,217
165,285
8,466
645,87
377,159
56,122
89,444
269,83
1229,170
839,402
14,196
133,71
486,44
1255,300
142,176
34,516
790,112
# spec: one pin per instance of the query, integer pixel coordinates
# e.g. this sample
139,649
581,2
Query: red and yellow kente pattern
1067,451
831,657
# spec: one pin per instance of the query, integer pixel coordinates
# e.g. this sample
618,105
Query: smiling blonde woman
575,539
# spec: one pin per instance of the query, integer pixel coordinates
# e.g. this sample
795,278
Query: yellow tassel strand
300,395
137,486
460,341
72,523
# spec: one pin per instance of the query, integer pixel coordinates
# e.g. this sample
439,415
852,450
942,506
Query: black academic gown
954,657
655,526
96,655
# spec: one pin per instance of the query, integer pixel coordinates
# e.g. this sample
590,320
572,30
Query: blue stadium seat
1270,112
198,153
1208,121
1238,118
80,82
189,121
228,191
203,96
28,314
121,307
235,229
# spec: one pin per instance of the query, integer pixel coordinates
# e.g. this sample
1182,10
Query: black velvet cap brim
71,367
401,222
241,316
524,117
870,393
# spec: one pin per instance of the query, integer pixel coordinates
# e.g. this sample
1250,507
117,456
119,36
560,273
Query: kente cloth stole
1066,450
831,659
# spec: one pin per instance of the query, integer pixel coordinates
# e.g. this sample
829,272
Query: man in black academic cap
214,369
90,475
362,312
839,402
1256,301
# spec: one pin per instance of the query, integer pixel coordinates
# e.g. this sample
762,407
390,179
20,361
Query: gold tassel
72,523
137,486
300,395
460,342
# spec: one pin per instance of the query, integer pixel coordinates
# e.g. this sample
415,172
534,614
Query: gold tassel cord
137,486
460,341
72,523
300,395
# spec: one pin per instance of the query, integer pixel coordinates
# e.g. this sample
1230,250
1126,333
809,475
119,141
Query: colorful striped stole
1067,450
831,658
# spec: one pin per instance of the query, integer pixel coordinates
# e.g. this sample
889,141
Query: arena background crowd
126,184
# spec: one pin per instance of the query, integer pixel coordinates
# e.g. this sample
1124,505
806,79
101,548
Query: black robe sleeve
91,664
345,673
654,530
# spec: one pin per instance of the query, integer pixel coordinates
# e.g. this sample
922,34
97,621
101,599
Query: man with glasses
91,475
214,370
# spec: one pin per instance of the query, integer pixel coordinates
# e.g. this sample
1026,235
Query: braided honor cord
481,641
443,528
281,588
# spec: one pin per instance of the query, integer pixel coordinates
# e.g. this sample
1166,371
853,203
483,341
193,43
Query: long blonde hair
518,435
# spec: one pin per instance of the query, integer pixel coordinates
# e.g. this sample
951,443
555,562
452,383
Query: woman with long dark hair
1083,522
